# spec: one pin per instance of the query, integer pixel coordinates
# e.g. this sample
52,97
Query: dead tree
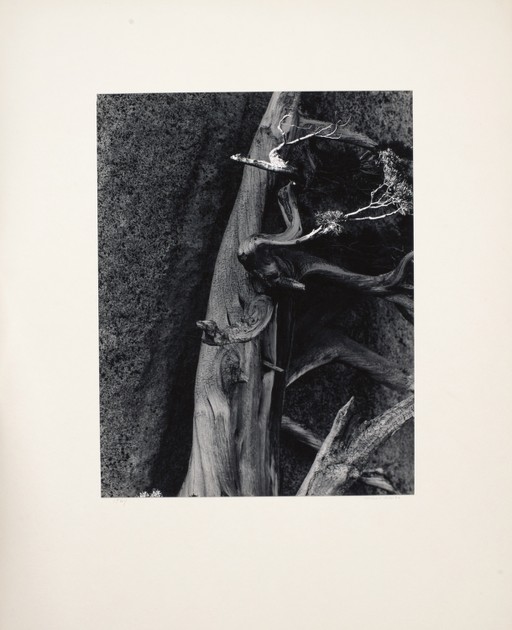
248,355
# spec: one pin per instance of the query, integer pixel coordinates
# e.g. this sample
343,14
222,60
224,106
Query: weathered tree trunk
238,394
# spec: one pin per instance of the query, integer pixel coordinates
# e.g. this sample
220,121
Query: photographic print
256,294
208,290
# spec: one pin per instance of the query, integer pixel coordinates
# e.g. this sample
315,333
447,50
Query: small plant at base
154,493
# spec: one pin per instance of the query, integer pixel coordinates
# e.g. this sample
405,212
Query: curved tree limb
382,285
340,462
289,211
330,344
271,259
292,235
341,133
255,319
300,433
391,286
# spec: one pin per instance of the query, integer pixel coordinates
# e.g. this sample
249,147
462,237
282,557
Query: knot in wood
231,371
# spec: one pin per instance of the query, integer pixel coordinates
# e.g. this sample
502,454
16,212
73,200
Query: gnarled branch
391,286
340,462
271,259
254,320
292,235
256,253
383,285
374,477
330,344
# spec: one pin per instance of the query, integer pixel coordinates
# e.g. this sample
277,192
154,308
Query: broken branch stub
340,462
254,320
374,477
328,468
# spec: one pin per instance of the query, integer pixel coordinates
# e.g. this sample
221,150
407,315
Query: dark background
166,187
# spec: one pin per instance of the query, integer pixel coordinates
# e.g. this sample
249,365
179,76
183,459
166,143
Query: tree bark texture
236,432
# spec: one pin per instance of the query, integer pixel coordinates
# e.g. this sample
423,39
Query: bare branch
345,135
378,481
275,165
373,477
317,133
394,194
331,344
280,129
322,475
329,131
382,285
338,464
300,433
374,432
380,216
404,304
278,240
290,212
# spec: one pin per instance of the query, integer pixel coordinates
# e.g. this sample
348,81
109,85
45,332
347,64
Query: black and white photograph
256,293
255,347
